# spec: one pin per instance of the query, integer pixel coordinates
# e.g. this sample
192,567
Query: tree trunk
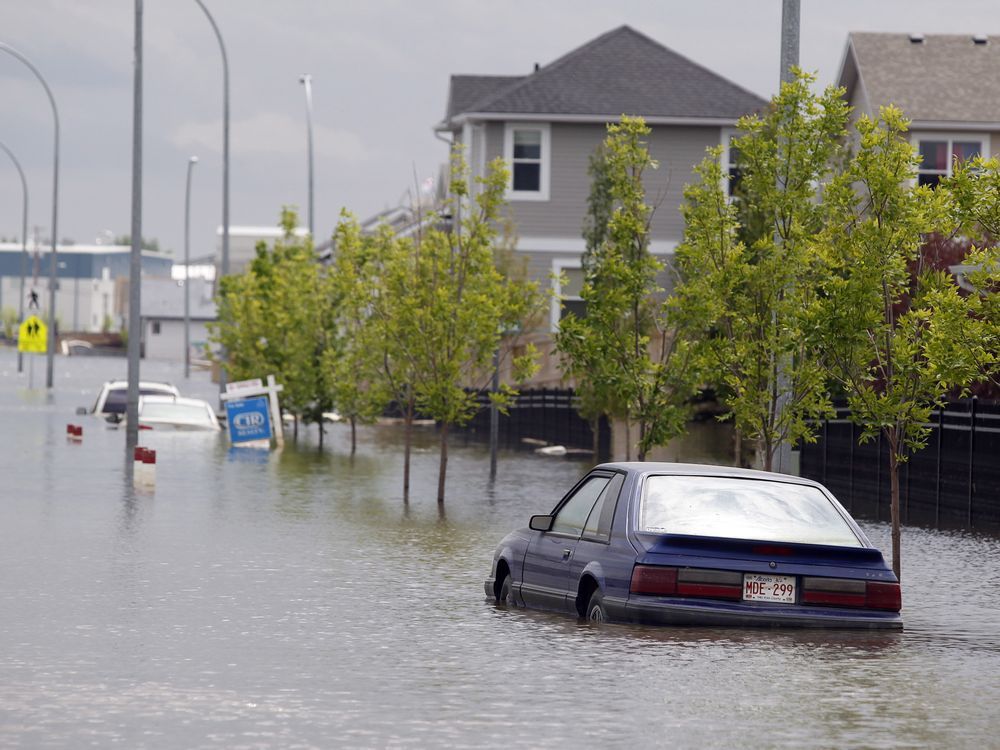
628,441
595,432
354,434
407,440
321,431
738,447
295,428
640,449
443,466
894,498
768,457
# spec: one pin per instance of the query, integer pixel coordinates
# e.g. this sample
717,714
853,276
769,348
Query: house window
568,282
731,173
156,327
526,148
939,153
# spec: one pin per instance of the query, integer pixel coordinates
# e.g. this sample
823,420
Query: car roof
142,384
182,400
702,470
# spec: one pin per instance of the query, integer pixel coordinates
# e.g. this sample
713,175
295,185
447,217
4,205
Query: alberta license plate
764,588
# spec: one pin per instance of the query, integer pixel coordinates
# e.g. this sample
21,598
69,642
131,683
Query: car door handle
566,553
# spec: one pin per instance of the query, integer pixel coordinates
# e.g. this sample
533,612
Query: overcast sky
380,73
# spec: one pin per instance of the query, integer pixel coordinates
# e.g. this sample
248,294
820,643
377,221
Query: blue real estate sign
248,419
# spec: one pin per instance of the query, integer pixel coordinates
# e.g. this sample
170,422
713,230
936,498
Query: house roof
466,91
620,72
933,78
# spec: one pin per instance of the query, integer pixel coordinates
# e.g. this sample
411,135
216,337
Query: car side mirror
82,410
113,418
540,523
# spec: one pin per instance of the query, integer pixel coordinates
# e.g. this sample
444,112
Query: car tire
506,595
596,612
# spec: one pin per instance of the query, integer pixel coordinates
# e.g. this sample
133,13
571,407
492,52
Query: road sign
33,336
248,419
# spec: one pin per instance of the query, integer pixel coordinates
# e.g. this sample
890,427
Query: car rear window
117,398
738,508
181,413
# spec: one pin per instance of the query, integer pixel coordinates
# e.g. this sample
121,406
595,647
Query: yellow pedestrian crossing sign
33,336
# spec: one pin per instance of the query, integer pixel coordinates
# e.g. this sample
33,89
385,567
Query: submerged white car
112,398
176,413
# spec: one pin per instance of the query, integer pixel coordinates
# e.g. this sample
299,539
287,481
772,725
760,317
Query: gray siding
677,149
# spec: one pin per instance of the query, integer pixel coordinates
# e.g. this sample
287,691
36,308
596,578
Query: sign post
251,410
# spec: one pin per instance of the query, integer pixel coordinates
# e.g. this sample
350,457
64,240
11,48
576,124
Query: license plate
764,588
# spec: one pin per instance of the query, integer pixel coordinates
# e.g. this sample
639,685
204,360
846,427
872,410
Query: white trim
917,135
542,194
460,120
725,136
949,125
558,264
578,245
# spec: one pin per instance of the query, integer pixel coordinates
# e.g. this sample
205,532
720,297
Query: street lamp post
24,244
135,257
306,81
187,269
224,263
51,344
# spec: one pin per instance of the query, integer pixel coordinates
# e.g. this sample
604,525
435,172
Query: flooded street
290,600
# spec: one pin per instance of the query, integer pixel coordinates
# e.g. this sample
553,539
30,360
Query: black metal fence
543,414
954,482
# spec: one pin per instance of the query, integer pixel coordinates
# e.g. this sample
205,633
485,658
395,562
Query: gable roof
620,72
468,90
945,78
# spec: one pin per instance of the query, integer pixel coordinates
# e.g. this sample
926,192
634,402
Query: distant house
162,319
947,85
546,124
243,242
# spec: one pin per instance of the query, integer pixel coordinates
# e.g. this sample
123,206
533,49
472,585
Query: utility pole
135,259
789,58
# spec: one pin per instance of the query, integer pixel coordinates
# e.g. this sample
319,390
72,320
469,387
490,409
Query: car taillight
848,592
880,595
653,579
843,592
659,580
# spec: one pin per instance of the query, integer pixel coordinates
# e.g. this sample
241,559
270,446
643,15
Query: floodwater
290,600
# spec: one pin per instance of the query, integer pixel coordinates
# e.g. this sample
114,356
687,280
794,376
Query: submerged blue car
686,544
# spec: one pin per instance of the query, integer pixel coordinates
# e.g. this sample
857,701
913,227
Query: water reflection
293,599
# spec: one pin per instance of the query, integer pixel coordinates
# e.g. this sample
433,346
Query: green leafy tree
621,351
450,306
975,188
359,391
278,318
898,337
744,287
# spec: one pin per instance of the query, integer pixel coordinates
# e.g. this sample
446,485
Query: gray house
548,123
948,85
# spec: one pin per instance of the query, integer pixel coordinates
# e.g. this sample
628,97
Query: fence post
826,441
878,477
972,450
851,463
937,472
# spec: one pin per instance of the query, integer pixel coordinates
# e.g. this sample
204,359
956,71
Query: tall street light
187,269
51,344
224,263
135,258
306,81
24,243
